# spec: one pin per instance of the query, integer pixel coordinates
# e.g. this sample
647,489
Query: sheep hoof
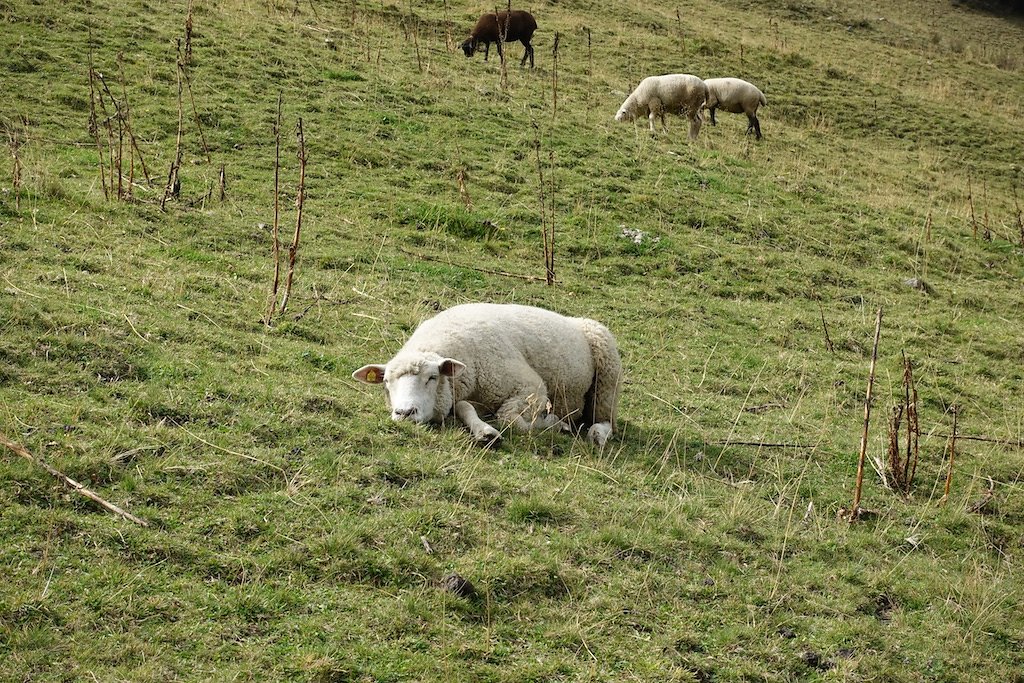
488,438
599,433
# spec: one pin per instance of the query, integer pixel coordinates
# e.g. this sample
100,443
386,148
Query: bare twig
20,450
188,35
762,444
94,126
970,202
192,101
913,423
15,146
528,278
867,419
952,455
828,340
173,188
300,200
272,303
1018,443
554,77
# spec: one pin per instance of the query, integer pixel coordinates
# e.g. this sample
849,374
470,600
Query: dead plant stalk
867,420
300,200
272,302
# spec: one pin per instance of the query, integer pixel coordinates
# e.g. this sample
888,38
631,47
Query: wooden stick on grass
20,450
867,419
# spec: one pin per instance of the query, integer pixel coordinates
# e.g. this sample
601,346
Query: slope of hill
295,532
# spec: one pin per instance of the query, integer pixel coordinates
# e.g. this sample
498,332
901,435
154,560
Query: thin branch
300,200
272,303
20,450
952,455
867,419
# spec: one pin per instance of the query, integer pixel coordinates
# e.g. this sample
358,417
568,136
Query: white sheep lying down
682,94
735,96
532,368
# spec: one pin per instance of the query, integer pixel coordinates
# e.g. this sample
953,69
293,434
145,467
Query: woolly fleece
682,94
517,359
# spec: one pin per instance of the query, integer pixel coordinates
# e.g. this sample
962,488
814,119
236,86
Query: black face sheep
532,368
510,26
681,94
735,96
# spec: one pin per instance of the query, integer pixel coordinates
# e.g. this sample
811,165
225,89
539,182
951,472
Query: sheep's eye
432,378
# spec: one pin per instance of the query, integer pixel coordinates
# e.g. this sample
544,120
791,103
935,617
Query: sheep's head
625,113
417,387
469,47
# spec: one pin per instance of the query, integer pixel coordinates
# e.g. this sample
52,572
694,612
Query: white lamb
735,96
532,368
674,93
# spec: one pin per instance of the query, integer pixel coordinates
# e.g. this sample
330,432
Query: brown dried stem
300,200
828,340
94,126
952,455
15,146
173,188
272,303
554,77
867,419
20,450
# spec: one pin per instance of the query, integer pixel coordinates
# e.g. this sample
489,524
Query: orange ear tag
371,376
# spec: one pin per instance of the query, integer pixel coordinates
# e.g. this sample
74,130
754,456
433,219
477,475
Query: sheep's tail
763,99
603,398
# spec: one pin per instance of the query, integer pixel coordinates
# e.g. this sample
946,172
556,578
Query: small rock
457,585
787,632
918,284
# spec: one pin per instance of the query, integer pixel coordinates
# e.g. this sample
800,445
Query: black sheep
491,28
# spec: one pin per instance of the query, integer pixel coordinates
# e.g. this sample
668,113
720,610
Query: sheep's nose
403,413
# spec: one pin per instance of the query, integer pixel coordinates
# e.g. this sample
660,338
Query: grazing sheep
674,93
735,96
532,368
512,26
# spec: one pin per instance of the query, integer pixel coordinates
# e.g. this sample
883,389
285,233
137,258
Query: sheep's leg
655,110
501,50
487,50
528,410
712,110
603,398
481,431
527,53
755,124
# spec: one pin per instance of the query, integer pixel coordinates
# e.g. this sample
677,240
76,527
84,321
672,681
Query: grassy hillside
296,533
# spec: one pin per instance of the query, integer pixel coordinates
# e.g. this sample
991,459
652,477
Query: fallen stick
1002,442
23,452
762,444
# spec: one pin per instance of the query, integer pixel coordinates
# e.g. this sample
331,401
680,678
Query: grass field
296,533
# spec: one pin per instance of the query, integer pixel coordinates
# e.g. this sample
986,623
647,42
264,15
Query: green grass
290,519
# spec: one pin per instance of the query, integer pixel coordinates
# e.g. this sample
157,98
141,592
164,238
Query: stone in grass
918,284
458,585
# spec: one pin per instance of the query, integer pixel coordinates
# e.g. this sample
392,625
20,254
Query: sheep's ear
451,367
370,374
